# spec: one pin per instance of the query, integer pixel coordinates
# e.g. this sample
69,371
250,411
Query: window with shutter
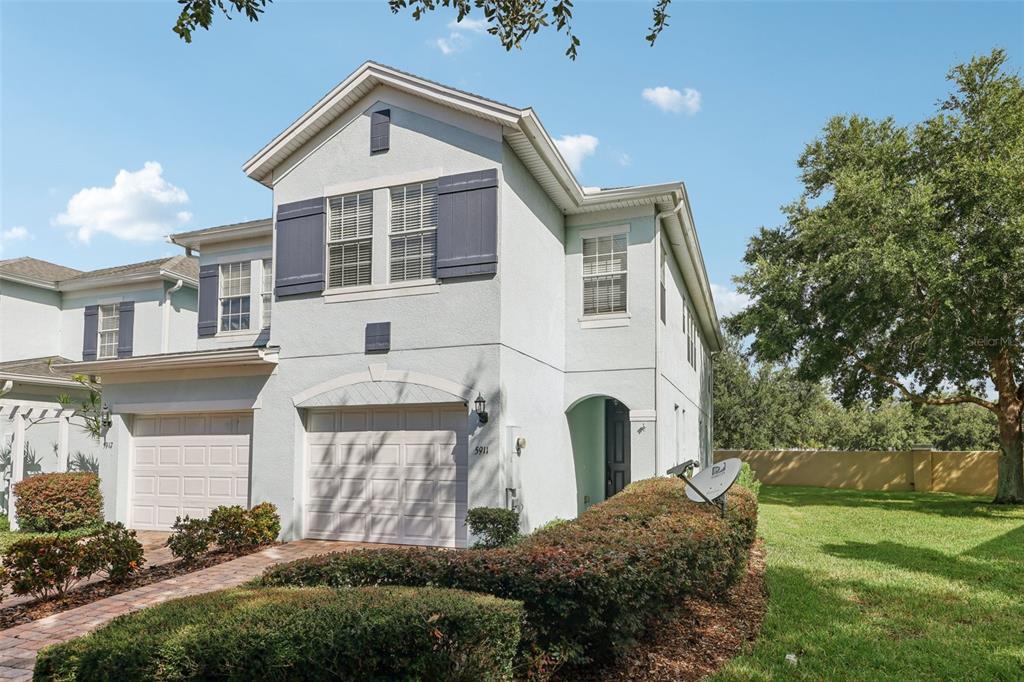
412,232
604,274
235,290
109,322
350,240
267,294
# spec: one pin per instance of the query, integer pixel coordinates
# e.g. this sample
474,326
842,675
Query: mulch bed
700,638
94,591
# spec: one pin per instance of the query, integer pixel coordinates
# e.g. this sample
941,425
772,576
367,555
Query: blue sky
92,89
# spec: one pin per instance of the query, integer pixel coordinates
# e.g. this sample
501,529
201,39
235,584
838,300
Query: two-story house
51,315
437,317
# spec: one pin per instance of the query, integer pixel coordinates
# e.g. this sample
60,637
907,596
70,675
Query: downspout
166,339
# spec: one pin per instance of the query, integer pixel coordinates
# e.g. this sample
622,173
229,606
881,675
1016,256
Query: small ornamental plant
113,551
493,526
49,503
190,538
46,567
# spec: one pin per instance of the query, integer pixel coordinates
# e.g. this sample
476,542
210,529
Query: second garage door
387,474
187,464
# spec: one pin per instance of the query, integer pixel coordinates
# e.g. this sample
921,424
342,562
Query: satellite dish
714,481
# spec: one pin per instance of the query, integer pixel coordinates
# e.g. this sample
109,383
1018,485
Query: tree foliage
510,21
899,266
766,407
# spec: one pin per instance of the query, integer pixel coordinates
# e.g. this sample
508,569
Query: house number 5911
480,450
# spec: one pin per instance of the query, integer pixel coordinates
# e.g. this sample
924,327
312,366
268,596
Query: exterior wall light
481,408
106,420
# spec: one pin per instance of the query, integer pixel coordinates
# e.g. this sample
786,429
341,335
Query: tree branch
921,400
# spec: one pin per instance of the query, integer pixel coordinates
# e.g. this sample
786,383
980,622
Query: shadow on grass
854,629
942,504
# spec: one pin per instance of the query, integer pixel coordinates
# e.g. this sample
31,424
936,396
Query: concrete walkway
19,644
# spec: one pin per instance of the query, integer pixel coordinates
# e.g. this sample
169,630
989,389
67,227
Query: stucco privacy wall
37,333
971,473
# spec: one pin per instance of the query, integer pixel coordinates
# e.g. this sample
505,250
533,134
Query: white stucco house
436,317
51,315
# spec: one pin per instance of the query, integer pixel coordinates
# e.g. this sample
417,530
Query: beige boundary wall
972,473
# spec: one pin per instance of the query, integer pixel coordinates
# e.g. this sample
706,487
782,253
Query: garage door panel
185,465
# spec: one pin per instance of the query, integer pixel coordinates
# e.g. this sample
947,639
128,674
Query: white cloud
455,42
13,234
728,301
471,25
139,206
625,159
672,101
575,148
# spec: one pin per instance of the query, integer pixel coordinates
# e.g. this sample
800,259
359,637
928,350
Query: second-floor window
109,322
350,240
235,289
267,294
413,232
604,274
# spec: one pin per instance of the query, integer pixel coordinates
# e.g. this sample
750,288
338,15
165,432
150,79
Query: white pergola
20,414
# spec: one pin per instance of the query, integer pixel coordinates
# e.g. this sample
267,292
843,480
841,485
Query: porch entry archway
599,428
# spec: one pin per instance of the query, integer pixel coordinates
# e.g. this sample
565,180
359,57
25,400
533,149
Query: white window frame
393,234
598,233
354,240
100,331
266,291
221,297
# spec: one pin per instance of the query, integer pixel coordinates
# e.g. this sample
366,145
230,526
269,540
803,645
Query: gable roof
45,370
52,276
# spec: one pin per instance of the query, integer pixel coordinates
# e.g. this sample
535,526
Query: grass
888,586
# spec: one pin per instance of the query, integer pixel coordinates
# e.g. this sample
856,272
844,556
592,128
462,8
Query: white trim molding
379,372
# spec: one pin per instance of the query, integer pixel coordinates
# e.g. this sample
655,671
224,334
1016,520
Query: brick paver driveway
18,645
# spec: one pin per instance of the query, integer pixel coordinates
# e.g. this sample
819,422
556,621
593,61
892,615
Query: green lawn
888,586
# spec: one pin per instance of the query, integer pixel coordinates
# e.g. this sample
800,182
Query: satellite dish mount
711,484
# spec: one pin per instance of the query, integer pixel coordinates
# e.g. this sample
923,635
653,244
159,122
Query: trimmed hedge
300,634
590,586
494,526
48,503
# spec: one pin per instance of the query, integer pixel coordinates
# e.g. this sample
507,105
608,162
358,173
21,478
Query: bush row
589,586
300,634
46,567
234,529
48,503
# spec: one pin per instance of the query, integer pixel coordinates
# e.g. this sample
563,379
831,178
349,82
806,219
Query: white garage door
187,465
387,474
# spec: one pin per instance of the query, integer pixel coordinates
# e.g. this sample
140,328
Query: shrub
589,586
113,551
309,634
58,502
748,479
190,538
239,530
493,526
46,567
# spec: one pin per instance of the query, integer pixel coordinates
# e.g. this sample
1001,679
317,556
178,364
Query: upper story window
413,232
604,274
235,290
267,293
109,322
350,240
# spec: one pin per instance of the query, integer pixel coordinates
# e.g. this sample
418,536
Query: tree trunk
1010,487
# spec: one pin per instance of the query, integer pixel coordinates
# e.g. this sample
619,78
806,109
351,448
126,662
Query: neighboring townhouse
51,315
437,317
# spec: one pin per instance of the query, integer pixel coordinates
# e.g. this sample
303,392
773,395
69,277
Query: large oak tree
901,266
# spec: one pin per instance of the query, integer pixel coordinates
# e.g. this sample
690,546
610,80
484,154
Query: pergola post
17,465
63,431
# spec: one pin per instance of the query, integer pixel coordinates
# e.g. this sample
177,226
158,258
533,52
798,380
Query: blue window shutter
125,328
299,261
378,337
209,283
92,320
467,224
380,131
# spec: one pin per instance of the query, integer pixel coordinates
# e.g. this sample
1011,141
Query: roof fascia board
117,280
29,281
195,240
216,358
37,380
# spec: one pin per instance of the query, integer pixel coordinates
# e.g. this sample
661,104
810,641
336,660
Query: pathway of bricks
19,644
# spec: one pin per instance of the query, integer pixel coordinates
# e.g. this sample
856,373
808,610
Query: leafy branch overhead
511,21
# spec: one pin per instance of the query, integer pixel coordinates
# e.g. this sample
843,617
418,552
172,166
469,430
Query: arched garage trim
380,381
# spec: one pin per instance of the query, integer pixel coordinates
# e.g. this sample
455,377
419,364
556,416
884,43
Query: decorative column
17,465
63,430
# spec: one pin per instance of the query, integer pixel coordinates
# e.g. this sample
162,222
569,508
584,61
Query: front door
616,446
